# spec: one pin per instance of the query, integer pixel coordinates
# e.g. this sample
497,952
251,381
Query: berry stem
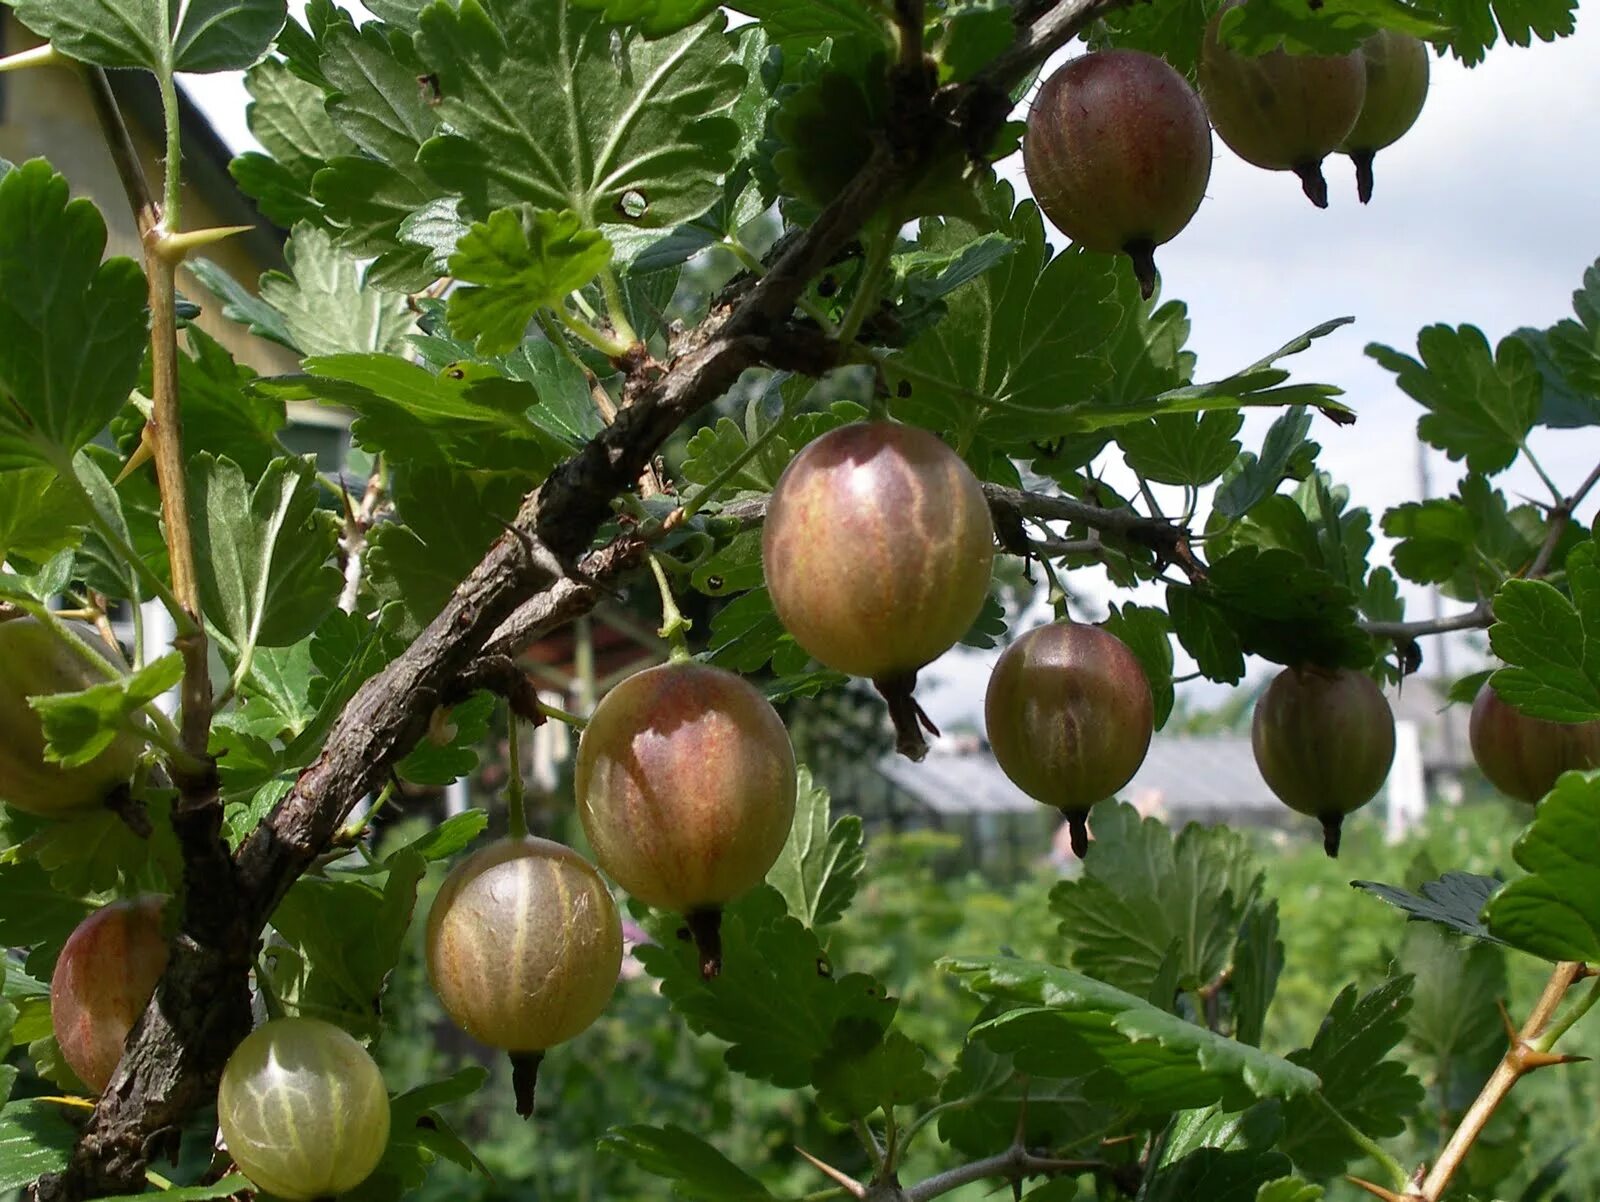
909,718
1143,253
1363,161
1312,182
516,810
706,927
1078,831
673,624
525,1079
1332,830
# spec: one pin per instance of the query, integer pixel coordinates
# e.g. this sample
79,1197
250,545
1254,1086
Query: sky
1487,212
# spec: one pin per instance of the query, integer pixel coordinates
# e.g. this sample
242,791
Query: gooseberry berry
1397,86
1522,755
1281,111
1069,717
103,980
303,1109
1324,741
1118,154
685,782
524,947
878,550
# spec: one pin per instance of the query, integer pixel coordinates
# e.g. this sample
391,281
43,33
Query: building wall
45,113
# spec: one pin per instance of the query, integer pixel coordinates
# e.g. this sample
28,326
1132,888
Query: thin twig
1014,1163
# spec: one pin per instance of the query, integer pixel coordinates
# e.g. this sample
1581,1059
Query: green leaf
347,936
1027,334
795,24
1218,1156
1454,1028
864,1070
439,766
1554,911
450,520
265,551
287,116
200,36
77,324
1338,30
1146,631
1285,455
697,1170
1455,900
80,726
32,910
819,867
776,1002
1575,345
1553,662
1182,448
1155,1060
652,18
98,852
1481,404
1373,1094
996,1092
746,634
1286,610
1143,893
326,309
1257,964
1289,1189
39,515
36,1137
1203,631
468,414
454,834
241,305
525,259
540,113
226,1188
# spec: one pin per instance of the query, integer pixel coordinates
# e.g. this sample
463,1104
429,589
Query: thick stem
165,428
616,310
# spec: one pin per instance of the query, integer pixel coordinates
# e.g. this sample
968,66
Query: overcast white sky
1487,212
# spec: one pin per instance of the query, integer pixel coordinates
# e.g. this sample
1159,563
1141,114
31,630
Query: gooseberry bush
623,291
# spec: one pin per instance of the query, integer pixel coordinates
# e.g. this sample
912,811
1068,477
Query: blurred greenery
917,903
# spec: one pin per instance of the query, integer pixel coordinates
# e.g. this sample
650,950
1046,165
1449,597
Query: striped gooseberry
1522,755
524,947
1069,717
35,661
303,1109
1118,154
1323,739
686,788
878,550
103,980
1397,87
1281,111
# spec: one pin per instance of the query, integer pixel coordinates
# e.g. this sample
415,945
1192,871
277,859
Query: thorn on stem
1377,1191
850,1185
